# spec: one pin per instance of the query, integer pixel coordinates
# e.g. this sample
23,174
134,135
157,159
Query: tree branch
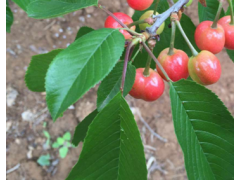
162,17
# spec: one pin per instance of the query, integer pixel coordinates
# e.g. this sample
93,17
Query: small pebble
82,19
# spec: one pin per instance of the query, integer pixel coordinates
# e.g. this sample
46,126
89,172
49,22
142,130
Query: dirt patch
25,137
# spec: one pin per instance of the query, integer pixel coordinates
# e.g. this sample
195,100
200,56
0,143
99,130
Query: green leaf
82,31
63,151
67,136
44,124
9,19
82,128
205,131
80,67
188,27
60,141
209,12
23,3
42,9
112,148
37,70
55,145
43,160
46,134
230,52
68,144
112,83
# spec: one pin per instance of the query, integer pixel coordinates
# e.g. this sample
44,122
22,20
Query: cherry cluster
204,67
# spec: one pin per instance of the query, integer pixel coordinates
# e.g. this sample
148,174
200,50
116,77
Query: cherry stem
194,52
156,61
130,31
148,64
214,25
137,23
128,50
156,6
171,49
231,11
131,52
135,55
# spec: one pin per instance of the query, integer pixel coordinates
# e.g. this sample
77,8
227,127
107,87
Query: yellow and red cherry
229,31
140,5
204,68
124,18
175,65
146,15
148,88
208,38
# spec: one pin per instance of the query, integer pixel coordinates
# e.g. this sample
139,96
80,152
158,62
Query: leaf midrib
109,93
81,71
194,131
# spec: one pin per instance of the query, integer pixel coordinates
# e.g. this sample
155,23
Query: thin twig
162,17
154,165
149,128
49,25
150,147
150,161
14,168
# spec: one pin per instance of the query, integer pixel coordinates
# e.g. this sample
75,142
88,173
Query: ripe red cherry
148,88
175,65
125,19
140,5
208,38
204,68
229,31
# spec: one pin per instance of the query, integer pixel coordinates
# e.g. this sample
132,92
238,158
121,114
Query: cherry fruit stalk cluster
173,64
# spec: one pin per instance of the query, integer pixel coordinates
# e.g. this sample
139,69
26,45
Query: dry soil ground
27,112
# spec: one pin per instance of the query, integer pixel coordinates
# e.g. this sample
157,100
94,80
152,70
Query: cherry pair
203,68
215,38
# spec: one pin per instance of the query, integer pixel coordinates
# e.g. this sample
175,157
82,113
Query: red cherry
208,38
176,65
229,31
140,5
125,19
204,68
148,88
